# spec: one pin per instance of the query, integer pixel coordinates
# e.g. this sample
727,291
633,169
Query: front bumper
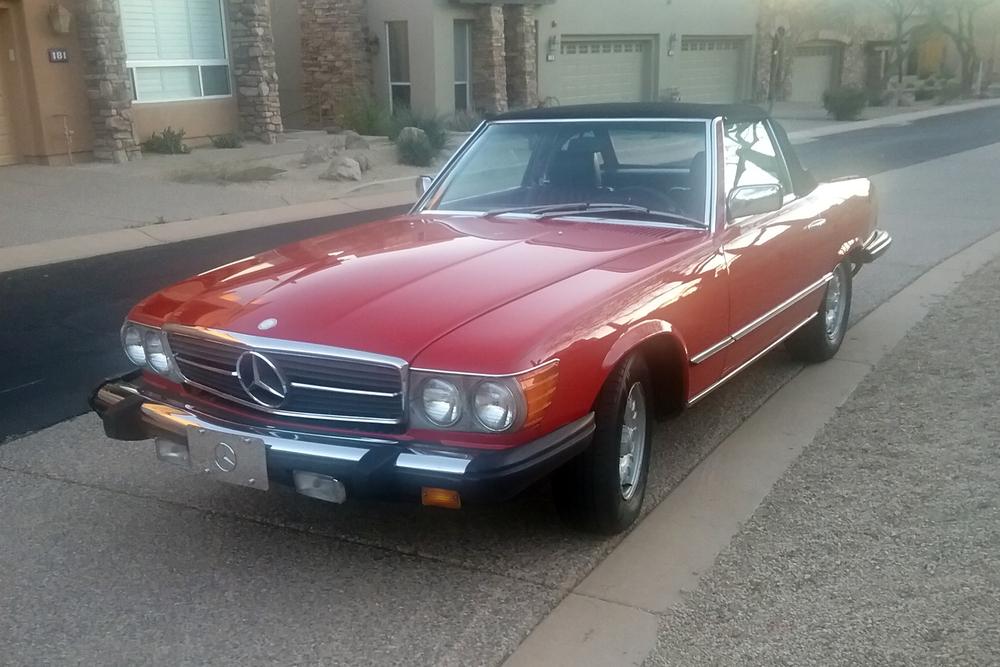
131,410
874,247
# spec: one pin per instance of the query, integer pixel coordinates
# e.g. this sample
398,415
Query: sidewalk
881,544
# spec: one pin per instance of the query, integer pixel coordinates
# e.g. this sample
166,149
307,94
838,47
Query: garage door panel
7,152
710,68
812,73
604,70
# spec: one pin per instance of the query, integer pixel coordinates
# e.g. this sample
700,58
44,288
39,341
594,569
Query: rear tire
822,337
602,489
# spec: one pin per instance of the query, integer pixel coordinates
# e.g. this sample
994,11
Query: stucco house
442,56
99,76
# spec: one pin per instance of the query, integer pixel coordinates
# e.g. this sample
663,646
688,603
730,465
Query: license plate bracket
228,457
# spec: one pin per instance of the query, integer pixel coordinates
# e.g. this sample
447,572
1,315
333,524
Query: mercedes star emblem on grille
261,379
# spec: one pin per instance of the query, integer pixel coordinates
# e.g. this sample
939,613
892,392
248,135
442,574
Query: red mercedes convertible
570,275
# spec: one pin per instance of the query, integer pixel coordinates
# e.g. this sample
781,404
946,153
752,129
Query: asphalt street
106,556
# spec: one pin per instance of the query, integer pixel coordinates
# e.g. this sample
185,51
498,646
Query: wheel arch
665,353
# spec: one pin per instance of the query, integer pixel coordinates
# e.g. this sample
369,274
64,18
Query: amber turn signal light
446,498
538,387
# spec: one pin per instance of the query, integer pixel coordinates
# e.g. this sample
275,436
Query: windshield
658,166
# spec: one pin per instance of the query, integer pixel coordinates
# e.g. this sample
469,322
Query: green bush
924,94
433,126
845,103
949,92
364,115
168,142
464,121
231,140
415,149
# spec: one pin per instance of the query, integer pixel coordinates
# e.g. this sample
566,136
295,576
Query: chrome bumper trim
173,421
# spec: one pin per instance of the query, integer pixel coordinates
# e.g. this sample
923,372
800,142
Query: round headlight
496,406
156,355
442,402
133,346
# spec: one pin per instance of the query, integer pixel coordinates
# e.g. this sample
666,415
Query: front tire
822,337
602,489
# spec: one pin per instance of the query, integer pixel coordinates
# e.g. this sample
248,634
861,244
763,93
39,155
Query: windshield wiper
539,210
598,208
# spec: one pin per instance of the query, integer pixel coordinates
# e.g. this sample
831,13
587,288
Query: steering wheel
650,198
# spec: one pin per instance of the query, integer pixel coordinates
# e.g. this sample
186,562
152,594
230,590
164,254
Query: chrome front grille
309,381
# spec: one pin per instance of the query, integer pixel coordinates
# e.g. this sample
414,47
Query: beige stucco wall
431,32
198,118
45,90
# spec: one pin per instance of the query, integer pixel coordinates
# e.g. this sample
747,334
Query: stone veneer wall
489,66
109,89
252,46
336,63
521,56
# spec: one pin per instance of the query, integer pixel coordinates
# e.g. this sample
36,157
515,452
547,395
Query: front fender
668,343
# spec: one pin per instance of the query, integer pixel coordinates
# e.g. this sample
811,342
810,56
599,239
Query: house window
463,65
398,42
175,49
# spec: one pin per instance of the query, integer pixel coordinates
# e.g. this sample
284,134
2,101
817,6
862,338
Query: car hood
396,286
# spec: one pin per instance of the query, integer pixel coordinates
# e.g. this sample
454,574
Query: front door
8,147
766,254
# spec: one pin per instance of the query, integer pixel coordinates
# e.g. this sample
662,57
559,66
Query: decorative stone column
489,66
252,46
336,63
522,55
109,89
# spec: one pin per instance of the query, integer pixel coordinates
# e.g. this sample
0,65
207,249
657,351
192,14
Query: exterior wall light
60,18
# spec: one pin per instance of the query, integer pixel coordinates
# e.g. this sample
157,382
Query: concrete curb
841,127
606,618
91,245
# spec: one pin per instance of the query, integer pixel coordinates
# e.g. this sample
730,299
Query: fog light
176,453
440,498
321,487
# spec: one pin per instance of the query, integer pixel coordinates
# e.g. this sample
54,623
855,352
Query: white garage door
812,73
710,68
604,70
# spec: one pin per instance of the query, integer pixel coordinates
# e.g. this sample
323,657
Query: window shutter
139,26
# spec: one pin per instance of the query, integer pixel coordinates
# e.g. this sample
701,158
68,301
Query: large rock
343,169
354,140
361,157
323,150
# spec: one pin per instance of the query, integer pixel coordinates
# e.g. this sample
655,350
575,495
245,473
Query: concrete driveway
107,557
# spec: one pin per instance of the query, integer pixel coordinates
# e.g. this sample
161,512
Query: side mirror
754,200
423,183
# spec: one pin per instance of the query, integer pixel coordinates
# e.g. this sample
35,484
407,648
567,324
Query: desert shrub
949,92
464,121
845,103
365,115
876,97
924,94
168,142
433,126
415,149
231,140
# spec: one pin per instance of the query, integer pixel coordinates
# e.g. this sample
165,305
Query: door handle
816,224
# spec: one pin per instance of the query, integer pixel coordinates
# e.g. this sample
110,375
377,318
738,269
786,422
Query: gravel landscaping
881,545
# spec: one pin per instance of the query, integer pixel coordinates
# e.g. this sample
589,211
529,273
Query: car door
768,256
